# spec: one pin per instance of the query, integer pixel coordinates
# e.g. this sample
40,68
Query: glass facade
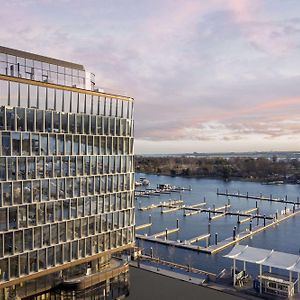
66,175
44,70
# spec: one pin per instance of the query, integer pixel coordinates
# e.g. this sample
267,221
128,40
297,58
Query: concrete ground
146,285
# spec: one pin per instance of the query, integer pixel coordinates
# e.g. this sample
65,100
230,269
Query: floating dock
218,246
166,204
164,189
260,197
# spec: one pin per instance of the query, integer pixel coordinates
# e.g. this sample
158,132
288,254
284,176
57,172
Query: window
42,97
73,166
33,261
3,219
21,168
30,120
74,102
45,190
46,235
56,122
25,144
6,148
8,243
68,145
16,143
44,144
72,123
33,96
27,191
10,119
22,216
48,121
52,144
2,118
14,94
79,124
32,215
50,98
53,189
60,144
39,120
66,211
59,99
40,167
28,238
49,167
61,188
18,241
50,212
67,101
64,122
11,168
36,191
31,167
17,192
3,92
7,193
20,119
83,144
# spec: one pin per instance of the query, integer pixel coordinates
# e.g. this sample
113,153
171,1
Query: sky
206,76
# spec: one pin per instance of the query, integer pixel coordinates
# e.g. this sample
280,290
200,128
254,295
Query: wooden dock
260,197
218,246
198,238
164,233
158,191
247,234
167,204
143,226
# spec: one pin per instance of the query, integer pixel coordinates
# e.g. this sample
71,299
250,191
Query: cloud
205,71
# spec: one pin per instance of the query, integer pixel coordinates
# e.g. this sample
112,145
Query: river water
283,237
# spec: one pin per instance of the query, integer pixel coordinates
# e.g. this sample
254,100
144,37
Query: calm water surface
284,237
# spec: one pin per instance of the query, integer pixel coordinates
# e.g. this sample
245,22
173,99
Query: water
284,237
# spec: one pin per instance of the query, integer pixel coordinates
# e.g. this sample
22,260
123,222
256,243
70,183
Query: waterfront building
66,181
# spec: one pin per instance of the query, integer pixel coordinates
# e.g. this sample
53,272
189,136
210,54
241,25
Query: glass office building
66,181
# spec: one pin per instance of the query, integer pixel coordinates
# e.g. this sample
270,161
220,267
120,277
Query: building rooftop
41,58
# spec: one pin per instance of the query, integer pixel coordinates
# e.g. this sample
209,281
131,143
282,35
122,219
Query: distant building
66,181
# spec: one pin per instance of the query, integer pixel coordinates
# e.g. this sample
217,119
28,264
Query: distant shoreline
213,177
261,170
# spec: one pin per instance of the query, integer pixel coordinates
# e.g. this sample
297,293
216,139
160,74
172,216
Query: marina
217,222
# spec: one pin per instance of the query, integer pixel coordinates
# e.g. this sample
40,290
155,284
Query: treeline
260,169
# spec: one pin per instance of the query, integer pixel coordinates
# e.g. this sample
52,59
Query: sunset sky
207,76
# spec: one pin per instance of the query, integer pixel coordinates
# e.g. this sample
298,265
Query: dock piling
264,220
234,233
250,225
166,237
177,223
216,238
